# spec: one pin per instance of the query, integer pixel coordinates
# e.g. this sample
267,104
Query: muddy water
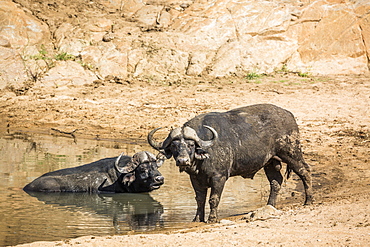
44,217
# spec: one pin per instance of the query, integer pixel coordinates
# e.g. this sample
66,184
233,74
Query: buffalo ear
160,159
200,154
166,152
128,179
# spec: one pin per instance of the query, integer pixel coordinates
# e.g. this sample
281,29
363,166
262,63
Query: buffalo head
184,145
143,169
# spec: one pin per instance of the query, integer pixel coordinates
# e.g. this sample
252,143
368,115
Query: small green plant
64,56
88,66
280,81
43,51
252,76
303,74
42,55
284,69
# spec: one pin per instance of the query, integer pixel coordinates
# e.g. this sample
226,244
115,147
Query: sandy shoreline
341,222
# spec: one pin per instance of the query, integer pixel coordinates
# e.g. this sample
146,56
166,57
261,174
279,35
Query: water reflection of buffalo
121,174
128,211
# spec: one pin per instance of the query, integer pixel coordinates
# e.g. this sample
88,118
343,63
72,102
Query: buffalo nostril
159,179
182,161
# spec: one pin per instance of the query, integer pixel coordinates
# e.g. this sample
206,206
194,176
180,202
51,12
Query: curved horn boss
186,132
189,133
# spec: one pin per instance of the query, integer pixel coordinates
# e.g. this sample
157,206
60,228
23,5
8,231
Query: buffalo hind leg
272,171
302,169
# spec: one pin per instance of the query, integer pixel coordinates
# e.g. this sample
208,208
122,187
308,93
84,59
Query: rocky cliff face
61,42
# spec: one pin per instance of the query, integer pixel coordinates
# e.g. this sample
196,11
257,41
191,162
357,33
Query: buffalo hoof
309,201
212,220
198,219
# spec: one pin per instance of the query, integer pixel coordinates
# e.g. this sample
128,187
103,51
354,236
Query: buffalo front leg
217,186
272,171
200,197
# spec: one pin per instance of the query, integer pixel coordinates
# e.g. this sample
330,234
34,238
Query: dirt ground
332,112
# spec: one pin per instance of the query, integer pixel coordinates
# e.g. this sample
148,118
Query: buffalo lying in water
138,173
240,143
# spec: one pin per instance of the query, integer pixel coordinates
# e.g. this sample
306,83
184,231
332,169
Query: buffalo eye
175,142
190,144
143,173
144,166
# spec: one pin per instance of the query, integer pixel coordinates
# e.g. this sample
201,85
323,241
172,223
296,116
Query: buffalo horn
117,162
156,145
205,144
132,164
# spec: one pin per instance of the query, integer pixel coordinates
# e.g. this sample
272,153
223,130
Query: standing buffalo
239,143
121,174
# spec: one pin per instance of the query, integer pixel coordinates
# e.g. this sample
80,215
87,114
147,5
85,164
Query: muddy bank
341,223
